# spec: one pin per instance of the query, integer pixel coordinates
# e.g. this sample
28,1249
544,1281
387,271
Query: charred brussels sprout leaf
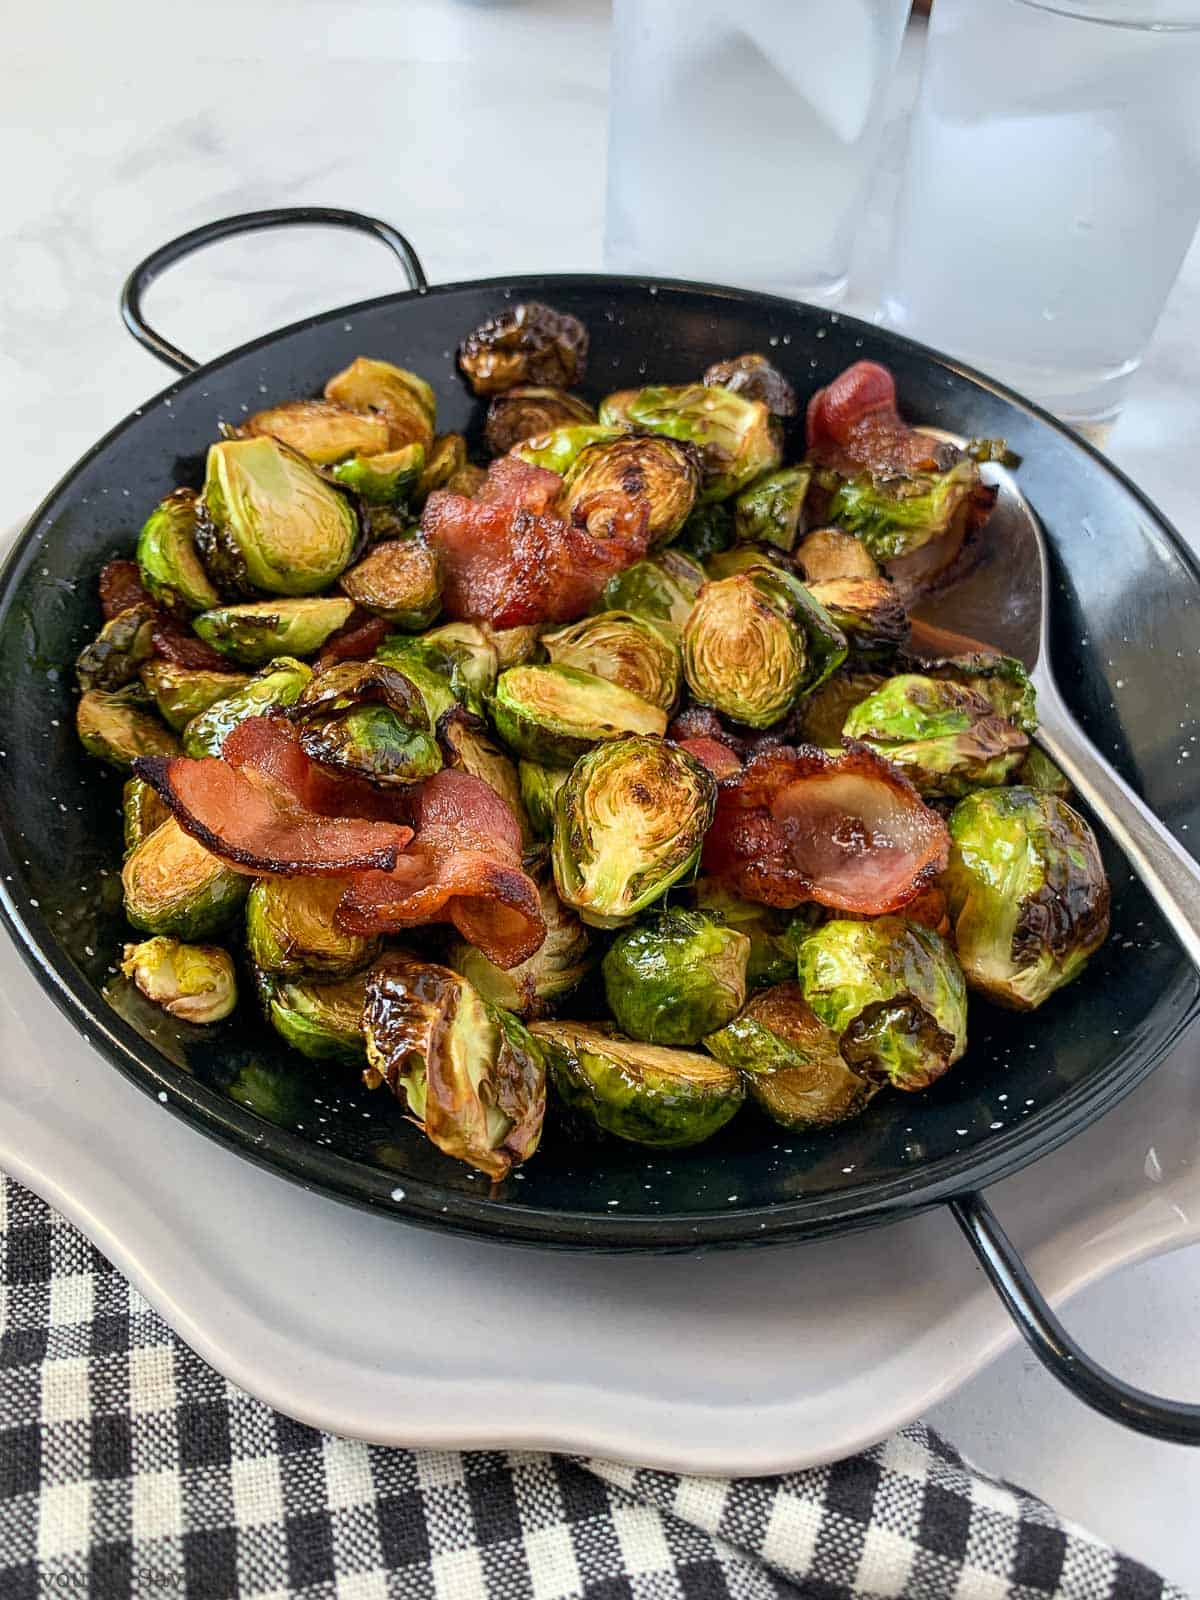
676,978
472,1075
400,580
772,510
658,470
531,988
523,344
553,714
1002,680
868,612
942,736
446,461
513,646
755,378
168,561
456,662
118,650
530,410
270,522
628,823
790,1061
539,785
626,649
181,693
258,632
774,936
290,930
1037,771
663,589
405,402
321,1020
829,553
556,449
388,479
175,886
893,994
193,982
141,810
276,686
320,430
117,727
468,746
707,532
369,720
738,439
751,558
1027,894
894,516
643,1093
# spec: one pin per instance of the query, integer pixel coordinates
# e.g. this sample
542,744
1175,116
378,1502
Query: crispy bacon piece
463,867
356,640
271,746
120,587
847,831
853,425
720,760
509,558
185,648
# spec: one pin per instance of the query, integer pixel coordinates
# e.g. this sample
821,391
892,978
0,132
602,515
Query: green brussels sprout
467,744
1002,680
400,580
530,411
625,649
790,1061
663,589
643,1093
117,728
755,643
446,461
291,933
472,1074
676,978
868,612
553,714
530,989
738,439
828,553
771,511
628,823
173,885
369,720
181,693
893,515
1037,771
893,994
277,685
945,738
406,402
321,1020
526,343
142,811
821,716
387,479
1027,894
167,558
320,430
513,646
646,466
194,982
264,629
271,523
774,935
456,662
741,558
753,376
117,652
557,448
707,532
539,785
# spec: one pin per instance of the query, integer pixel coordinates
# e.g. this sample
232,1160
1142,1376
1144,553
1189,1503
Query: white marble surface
479,129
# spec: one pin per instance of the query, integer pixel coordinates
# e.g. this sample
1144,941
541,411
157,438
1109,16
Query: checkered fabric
129,1467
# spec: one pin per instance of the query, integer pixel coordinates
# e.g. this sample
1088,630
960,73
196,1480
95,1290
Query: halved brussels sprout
643,1093
466,480
539,785
114,656
663,589
467,744
513,646
893,994
772,509
756,378
829,553
869,613
270,522
320,430
741,558
676,978
400,579
472,1074
167,558
261,630
321,1020
636,466
460,659
387,479
173,885
553,714
446,460
558,448
738,439
277,685
117,727
945,738
626,649
774,935
821,716
405,402
554,970
1002,680
893,515
1037,771
707,532
368,719
628,823
194,982
291,933
791,1062
1027,894
181,693
528,343
142,811
529,410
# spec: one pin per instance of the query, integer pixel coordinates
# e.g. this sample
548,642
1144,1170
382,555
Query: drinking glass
1052,190
741,137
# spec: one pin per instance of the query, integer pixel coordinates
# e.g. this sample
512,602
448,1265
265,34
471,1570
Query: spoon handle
1163,865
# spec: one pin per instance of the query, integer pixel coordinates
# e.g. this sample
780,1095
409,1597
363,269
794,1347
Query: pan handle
144,274
1177,1421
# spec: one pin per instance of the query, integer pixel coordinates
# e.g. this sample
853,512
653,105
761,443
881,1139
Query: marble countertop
123,129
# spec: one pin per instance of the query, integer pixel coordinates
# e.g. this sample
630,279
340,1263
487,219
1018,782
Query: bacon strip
720,760
853,425
121,587
355,640
849,832
271,746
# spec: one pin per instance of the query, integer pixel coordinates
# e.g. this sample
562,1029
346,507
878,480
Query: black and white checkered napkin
129,1467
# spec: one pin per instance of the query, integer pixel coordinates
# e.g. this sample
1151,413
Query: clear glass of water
742,136
1051,193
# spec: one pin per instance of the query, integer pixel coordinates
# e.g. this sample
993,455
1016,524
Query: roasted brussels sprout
643,1093
369,720
265,629
194,982
1037,771
821,716
557,449
553,714
270,522
627,650
141,810
754,377
321,1020
467,744
513,646
472,1074
869,613
529,410
790,1061
523,344
539,785
459,658
291,933
276,686
771,511
893,994
446,459
554,970
738,439
405,402
895,516
637,466
117,727
942,736
741,558
1027,894
388,479
676,978
755,643
168,561
320,430
628,823
181,693
401,580
173,885
829,553
663,589
774,935
1002,680
707,532
117,652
